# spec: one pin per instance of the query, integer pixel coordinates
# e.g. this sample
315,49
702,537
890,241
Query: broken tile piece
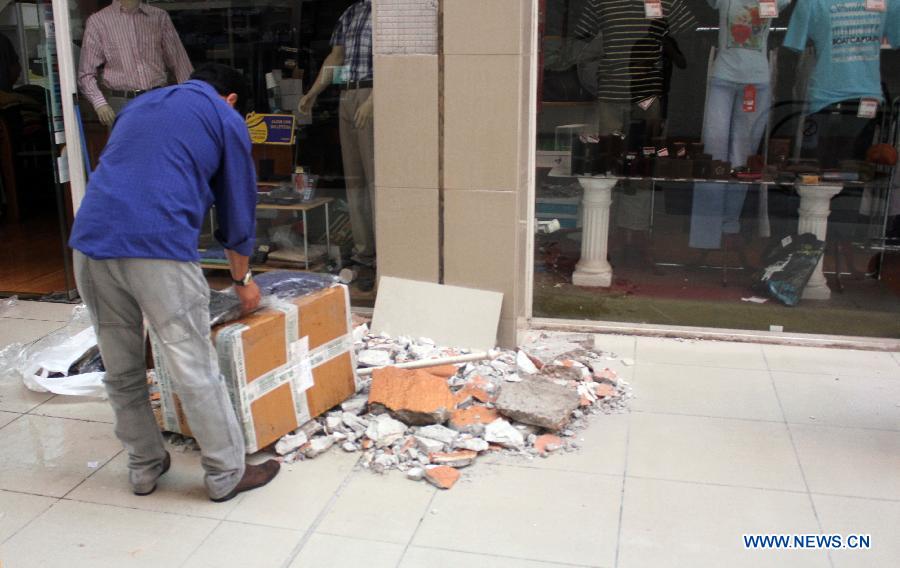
460,458
504,434
290,443
445,371
442,476
524,364
384,430
412,395
470,392
416,474
547,443
318,446
474,444
374,358
464,420
538,402
605,390
428,445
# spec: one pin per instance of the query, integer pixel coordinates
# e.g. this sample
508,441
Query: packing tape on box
166,396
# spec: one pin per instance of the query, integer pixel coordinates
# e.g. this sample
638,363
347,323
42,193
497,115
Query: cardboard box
282,367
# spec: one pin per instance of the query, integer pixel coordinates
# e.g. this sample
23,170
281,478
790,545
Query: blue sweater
172,154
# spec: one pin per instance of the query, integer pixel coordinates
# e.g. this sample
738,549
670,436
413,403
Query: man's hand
307,102
107,115
249,296
364,114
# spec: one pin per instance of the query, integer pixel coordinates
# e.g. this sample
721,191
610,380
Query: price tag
875,5
868,108
646,103
749,98
768,9
654,9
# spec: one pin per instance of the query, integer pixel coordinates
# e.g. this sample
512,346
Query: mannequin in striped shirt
127,49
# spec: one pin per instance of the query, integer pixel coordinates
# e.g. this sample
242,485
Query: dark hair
225,80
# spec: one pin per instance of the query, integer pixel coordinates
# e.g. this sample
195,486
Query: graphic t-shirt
631,68
743,39
847,38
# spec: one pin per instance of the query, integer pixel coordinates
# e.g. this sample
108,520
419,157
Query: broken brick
472,392
605,390
442,476
463,420
413,396
460,458
547,443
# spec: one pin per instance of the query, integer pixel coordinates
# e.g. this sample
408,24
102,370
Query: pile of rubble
429,422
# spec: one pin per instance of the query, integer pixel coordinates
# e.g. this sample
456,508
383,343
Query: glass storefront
309,65
35,210
696,159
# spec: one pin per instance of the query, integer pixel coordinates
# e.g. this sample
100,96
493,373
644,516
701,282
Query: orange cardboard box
283,366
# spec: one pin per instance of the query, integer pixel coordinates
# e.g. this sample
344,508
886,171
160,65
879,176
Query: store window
309,66
720,163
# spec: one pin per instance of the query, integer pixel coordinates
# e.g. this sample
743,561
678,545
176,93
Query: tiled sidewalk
723,439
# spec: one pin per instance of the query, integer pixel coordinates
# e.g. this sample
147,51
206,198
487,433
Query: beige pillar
815,207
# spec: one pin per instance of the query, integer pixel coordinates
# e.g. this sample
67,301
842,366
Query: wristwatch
247,279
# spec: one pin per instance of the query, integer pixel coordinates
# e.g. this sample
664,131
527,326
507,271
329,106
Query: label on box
868,108
768,9
785,242
646,103
749,98
303,377
875,5
653,8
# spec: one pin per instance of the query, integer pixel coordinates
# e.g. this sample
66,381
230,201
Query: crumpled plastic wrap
223,307
287,284
64,362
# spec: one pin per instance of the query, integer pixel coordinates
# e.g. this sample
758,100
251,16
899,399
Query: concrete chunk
384,431
437,432
503,433
538,402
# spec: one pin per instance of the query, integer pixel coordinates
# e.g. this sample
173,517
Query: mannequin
844,92
737,112
351,50
630,86
109,50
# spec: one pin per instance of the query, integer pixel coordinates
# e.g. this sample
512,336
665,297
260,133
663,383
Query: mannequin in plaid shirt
350,65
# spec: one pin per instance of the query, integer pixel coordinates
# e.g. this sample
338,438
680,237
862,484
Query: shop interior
302,217
667,269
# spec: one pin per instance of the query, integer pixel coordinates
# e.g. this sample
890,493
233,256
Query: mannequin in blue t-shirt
847,36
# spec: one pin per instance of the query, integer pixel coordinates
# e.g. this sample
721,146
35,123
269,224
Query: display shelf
309,205
559,173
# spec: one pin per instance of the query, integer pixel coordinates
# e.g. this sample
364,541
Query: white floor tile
854,402
835,362
705,391
713,450
180,490
77,535
701,353
342,552
849,516
545,515
364,502
50,456
47,311
680,524
295,498
14,397
7,417
17,510
417,557
25,331
77,408
242,546
844,461
602,449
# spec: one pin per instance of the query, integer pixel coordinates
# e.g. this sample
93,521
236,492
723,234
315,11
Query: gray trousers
174,298
358,153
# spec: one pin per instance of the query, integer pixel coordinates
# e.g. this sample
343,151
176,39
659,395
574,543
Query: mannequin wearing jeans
737,111
729,133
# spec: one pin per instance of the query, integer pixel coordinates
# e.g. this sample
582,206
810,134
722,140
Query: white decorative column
593,269
815,206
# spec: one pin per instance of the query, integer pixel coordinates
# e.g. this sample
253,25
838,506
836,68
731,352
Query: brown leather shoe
254,476
166,464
